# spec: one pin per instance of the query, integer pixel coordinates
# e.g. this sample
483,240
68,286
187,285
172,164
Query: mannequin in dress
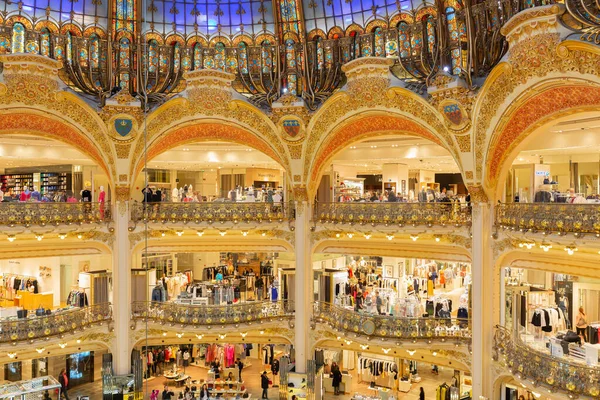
102,195
35,195
175,195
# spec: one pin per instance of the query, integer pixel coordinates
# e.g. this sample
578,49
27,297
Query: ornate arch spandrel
538,58
536,108
29,123
360,128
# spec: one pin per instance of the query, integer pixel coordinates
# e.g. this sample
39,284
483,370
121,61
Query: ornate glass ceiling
82,12
208,16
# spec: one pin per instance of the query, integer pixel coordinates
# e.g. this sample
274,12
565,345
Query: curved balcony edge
547,218
46,327
553,373
455,330
40,214
401,214
208,316
212,212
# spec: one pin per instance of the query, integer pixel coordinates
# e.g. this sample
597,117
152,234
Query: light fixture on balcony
264,234
78,340
364,346
40,350
545,246
390,237
337,235
222,336
199,337
62,345
80,236
527,245
11,238
11,355
163,234
414,237
434,353
39,237
244,233
570,249
222,233
179,335
179,233
385,351
411,352
350,235
243,334
164,333
199,233
348,342
437,237
262,332
367,236
62,236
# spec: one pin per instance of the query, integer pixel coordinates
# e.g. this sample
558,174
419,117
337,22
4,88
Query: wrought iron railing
549,217
401,214
211,212
555,373
206,316
422,328
41,214
13,330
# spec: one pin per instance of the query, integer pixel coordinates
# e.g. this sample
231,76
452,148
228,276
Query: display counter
404,386
33,301
8,312
345,385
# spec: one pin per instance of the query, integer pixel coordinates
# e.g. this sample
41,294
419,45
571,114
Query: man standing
264,384
240,366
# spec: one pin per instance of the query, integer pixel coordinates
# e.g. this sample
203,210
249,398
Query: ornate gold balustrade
554,373
414,329
401,214
211,212
549,217
53,214
16,330
208,316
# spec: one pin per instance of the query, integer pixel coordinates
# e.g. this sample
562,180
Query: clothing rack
8,283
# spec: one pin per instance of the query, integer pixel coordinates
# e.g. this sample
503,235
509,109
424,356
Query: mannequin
86,195
101,200
25,195
175,195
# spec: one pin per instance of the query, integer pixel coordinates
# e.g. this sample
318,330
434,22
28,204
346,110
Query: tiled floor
251,377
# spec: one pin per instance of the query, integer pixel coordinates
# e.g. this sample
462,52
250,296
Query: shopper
166,394
240,366
434,370
230,379
378,302
421,394
204,393
336,374
581,323
63,379
264,384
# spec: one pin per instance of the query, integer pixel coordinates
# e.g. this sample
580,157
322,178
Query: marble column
482,271
121,289
303,285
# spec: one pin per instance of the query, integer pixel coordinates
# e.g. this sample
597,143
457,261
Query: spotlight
40,351
390,237
62,236
411,352
385,351
350,235
545,246
163,234
570,249
179,233
367,236
199,337
11,355
11,238
62,345
199,233
222,233
437,238
414,237
244,233
39,237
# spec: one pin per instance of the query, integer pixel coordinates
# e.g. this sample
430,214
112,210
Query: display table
345,385
8,312
33,301
404,386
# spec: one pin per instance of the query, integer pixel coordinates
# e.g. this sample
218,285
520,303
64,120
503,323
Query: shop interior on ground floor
543,308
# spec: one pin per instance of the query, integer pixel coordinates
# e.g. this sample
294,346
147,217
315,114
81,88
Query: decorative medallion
455,115
292,128
122,128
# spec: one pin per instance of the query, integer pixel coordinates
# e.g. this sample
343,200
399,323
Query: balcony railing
42,214
549,217
400,214
207,316
450,329
15,330
211,212
555,373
